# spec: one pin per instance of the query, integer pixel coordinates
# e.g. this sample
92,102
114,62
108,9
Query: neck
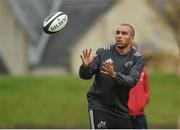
123,51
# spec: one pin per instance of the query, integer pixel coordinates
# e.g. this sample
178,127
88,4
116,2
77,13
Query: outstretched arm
89,65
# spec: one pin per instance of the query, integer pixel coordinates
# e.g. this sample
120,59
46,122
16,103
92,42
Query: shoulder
137,57
105,49
108,47
137,54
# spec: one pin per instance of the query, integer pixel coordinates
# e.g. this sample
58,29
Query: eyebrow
123,32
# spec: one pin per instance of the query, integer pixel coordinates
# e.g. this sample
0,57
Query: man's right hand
87,58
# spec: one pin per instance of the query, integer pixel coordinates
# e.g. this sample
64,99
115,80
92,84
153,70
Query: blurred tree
170,10
3,67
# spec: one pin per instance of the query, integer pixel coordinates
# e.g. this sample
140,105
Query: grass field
60,101
164,106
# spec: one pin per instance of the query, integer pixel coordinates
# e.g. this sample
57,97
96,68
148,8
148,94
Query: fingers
109,72
84,53
81,57
107,68
104,72
107,65
86,56
87,53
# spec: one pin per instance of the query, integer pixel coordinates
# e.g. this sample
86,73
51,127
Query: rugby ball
55,22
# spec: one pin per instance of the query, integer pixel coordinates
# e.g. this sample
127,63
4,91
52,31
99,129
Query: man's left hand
108,69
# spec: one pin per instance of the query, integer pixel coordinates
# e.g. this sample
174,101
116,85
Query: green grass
60,101
164,106
54,101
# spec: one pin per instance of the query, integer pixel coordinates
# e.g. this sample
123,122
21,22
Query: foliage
170,11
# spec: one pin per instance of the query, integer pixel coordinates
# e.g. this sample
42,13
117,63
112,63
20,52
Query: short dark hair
133,31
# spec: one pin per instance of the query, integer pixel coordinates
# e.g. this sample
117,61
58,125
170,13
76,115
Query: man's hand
87,58
109,69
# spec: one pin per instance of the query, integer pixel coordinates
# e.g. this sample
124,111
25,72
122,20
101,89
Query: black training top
107,94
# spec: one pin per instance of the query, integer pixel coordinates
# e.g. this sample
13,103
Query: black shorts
102,120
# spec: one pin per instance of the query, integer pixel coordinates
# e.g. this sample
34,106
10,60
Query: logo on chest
109,61
128,64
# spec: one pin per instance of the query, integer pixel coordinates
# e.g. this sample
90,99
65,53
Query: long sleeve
132,78
87,73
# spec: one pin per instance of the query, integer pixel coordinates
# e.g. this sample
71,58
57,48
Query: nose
119,36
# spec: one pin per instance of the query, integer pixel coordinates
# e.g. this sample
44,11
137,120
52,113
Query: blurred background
39,83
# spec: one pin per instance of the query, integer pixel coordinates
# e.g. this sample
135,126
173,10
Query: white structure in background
149,26
14,29
150,30
35,53
13,53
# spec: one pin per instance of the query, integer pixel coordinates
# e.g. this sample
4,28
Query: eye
124,33
117,32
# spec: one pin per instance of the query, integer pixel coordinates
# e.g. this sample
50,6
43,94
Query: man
117,69
138,99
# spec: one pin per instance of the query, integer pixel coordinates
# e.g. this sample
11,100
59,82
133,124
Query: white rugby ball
55,22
